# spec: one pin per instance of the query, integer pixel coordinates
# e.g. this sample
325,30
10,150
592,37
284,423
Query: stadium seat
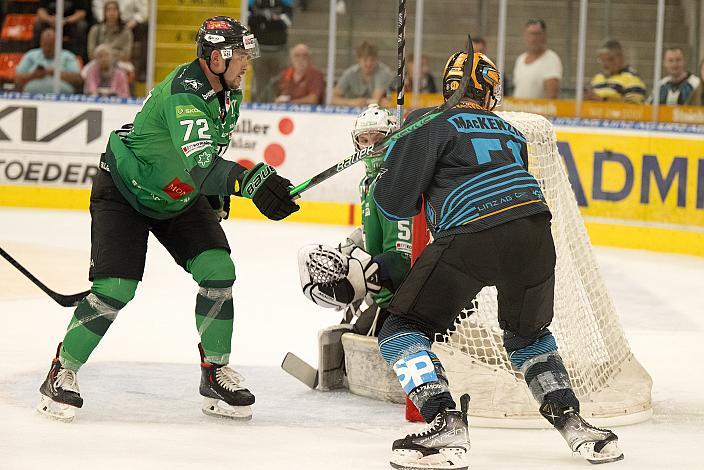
18,27
8,64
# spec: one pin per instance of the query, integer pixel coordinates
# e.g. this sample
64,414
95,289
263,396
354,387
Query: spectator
35,72
364,83
134,13
479,44
302,82
75,24
679,86
538,71
269,21
103,78
617,81
427,82
111,31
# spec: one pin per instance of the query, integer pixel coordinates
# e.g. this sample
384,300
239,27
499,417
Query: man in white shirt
538,71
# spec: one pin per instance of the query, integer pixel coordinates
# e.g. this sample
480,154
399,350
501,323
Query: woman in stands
111,31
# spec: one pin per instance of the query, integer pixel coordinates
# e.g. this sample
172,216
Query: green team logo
188,110
204,159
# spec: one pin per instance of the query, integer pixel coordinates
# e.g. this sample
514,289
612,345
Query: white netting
608,380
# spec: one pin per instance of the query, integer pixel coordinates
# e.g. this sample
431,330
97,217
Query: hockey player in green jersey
381,245
155,176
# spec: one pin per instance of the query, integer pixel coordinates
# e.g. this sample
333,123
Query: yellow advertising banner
638,189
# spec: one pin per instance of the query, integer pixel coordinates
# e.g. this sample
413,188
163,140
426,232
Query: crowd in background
104,52
103,48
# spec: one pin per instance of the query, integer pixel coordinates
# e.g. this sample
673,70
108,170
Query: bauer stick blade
406,129
63,300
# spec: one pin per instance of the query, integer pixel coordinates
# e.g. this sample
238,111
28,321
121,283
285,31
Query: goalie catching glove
333,279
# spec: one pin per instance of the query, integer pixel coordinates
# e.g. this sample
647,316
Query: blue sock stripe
394,347
542,345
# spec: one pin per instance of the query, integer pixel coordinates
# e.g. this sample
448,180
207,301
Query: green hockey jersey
173,152
386,240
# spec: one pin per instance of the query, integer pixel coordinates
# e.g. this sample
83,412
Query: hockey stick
304,372
401,72
63,300
406,129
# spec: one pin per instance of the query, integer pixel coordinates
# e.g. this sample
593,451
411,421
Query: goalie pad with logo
333,279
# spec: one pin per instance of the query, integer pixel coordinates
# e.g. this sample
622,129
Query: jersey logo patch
177,188
192,84
188,110
193,147
204,159
403,247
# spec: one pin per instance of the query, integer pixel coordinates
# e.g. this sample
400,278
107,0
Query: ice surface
142,409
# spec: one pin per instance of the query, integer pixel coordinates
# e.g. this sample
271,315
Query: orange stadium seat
18,27
8,64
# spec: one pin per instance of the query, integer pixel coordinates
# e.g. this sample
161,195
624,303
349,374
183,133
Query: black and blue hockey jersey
468,165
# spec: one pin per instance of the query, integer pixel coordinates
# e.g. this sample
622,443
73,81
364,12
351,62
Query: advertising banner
644,175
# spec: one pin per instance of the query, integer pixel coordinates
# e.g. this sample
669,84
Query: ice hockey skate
593,444
60,393
444,444
224,396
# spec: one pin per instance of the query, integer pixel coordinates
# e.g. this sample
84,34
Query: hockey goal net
612,386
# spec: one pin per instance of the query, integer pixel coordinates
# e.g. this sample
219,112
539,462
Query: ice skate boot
60,393
224,396
443,445
593,444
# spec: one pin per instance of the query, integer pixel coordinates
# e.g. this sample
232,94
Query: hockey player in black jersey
491,226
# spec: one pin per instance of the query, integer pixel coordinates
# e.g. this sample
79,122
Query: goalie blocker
334,278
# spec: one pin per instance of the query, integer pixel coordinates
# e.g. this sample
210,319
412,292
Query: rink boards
638,185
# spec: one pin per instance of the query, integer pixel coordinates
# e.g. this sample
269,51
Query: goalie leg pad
331,357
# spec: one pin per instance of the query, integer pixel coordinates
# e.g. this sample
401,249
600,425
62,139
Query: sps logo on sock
415,370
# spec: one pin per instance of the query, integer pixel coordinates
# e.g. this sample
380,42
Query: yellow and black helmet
485,79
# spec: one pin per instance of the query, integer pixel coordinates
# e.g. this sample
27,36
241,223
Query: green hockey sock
92,318
214,272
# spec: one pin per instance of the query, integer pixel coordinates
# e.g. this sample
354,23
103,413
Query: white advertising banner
58,143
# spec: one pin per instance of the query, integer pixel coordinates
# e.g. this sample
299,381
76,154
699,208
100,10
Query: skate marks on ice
168,393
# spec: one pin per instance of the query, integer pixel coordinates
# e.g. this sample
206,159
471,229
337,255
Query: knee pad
212,268
398,339
120,290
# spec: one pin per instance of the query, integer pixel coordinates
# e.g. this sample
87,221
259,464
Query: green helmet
373,120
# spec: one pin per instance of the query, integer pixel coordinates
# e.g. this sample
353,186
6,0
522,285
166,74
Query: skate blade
220,409
55,410
609,453
455,458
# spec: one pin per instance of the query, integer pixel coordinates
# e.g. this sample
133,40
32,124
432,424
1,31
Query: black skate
594,444
60,393
224,396
443,445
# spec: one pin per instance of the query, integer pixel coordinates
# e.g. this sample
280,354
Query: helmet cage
373,119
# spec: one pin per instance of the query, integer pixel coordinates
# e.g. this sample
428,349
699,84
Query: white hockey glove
333,279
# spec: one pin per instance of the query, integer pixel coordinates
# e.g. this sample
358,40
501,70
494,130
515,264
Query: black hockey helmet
485,78
225,34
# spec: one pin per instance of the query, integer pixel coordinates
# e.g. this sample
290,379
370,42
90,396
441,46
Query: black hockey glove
268,191
221,206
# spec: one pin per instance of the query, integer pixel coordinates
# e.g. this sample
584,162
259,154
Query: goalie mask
485,79
372,125
226,35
